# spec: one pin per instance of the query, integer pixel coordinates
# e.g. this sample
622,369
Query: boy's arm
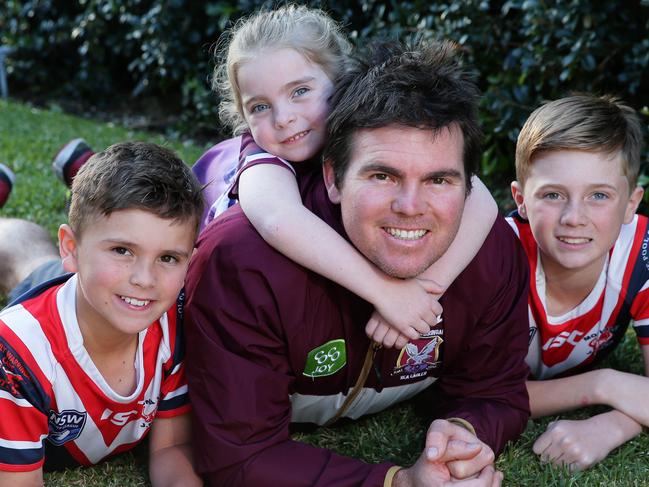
583,443
565,394
170,459
628,393
480,211
270,198
22,479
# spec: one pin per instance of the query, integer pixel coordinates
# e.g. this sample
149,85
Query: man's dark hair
135,175
421,85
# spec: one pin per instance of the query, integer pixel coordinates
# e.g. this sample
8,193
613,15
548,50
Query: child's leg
24,246
69,159
7,180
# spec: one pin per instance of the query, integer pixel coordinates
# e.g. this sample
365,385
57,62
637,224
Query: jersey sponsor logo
13,374
644,251
419,356
600,339
10,381
119,418
570,337
146,412
19,380
65,426
327,359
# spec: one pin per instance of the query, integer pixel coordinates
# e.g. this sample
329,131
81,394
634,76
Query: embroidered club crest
420,355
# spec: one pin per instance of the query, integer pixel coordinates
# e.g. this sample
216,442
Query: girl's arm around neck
480,211
270,198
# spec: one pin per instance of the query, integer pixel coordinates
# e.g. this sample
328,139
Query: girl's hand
379,331
409,307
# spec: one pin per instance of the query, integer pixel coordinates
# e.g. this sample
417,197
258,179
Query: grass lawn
28,140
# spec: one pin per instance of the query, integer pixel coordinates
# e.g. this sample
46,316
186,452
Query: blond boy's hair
309,31
601,124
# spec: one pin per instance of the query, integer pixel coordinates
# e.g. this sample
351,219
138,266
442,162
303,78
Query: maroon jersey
273,343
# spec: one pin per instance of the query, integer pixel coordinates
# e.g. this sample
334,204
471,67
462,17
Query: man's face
402,195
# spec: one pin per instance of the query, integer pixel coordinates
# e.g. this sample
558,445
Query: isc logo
571,337
118,419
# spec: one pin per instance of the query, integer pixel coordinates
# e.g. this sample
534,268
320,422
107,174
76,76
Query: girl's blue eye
301,91
259,108
600,196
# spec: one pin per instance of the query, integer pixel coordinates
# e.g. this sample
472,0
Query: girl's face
284,98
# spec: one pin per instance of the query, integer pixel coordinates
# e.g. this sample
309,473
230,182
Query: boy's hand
580,444
409,307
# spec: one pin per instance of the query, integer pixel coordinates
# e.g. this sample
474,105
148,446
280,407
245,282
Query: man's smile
405,234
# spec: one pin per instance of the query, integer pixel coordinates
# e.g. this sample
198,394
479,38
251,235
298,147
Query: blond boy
577,164
92,361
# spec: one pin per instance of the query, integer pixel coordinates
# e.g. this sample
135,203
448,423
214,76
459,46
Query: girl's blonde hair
309,31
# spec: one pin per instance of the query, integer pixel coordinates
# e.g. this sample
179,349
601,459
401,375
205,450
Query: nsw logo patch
327,359
65,426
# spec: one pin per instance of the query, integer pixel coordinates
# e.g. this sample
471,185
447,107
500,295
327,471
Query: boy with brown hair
91,361
577,164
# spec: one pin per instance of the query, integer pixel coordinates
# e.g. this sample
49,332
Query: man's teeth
574,240
135,302
406,234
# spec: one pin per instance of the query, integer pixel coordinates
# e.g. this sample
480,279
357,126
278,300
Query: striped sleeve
639,282
640,313
24,401
174,399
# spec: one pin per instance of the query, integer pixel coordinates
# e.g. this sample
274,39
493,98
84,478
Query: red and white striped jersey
50,389
585,334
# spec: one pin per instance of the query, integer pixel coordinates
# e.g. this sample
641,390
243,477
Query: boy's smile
284,99
131,267
576,203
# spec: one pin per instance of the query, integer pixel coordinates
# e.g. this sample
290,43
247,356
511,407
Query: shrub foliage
524,52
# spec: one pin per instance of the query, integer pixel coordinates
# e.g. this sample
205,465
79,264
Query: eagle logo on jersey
65,426
420,355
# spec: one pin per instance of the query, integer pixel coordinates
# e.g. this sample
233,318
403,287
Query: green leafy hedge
525,51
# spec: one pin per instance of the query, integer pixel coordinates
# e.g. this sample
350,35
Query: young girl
275,78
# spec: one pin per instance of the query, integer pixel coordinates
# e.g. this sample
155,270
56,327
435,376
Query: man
273,343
